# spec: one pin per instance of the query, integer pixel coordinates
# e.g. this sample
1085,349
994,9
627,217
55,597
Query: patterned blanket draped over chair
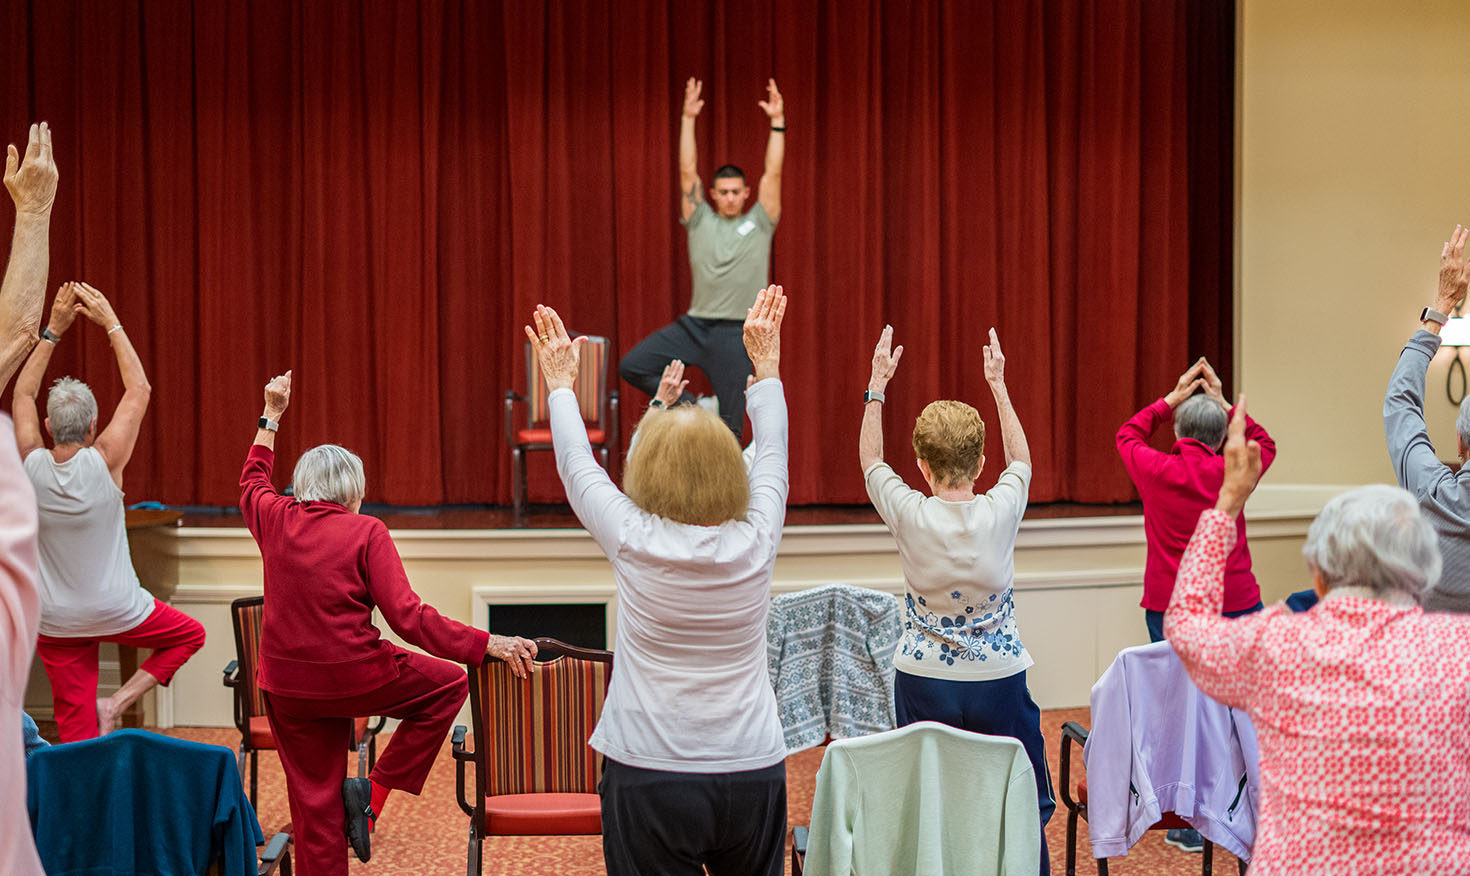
830,656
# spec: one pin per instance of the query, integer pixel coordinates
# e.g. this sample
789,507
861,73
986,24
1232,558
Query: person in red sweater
323,662
1178,485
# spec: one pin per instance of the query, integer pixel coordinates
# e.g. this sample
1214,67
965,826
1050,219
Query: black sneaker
1186,840
357,799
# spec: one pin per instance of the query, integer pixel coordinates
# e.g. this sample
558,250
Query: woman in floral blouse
1360,704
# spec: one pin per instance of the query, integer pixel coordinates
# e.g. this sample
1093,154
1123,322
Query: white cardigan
690,691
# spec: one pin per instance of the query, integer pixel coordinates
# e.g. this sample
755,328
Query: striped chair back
591,382
246,615
531,735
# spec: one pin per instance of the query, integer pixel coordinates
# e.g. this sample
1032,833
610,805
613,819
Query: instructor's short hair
686,466
1201,418
329,473
950,437
70,409
730,171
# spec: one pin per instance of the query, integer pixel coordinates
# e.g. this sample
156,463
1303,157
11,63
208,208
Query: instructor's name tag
745,227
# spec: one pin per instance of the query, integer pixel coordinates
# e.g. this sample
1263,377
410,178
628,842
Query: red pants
71,664
426,695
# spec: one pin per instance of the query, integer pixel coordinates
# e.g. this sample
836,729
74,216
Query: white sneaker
709,403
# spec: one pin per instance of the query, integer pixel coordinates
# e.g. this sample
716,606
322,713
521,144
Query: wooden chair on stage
533,784
596,394
246,615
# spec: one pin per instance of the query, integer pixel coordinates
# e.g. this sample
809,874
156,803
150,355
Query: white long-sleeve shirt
690,692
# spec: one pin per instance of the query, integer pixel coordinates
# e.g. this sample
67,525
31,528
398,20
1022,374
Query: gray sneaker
1187,840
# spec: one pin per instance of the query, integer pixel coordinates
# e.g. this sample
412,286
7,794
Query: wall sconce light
1456,335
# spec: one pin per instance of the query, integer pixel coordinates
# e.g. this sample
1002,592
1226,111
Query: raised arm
257,494
770,185
115,443
32,185
1012,436
766,404
1138,456
689,195
885,365
24,405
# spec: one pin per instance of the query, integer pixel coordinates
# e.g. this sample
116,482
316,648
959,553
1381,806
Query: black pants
672,824
1002,707
715,346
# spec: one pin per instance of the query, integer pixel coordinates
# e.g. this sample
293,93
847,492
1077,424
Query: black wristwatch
48,335
871,396
269,424
656,403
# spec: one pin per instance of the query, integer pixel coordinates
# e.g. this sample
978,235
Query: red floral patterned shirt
1362,709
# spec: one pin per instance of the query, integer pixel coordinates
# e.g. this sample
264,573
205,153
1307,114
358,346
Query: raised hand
763,331
515,651
63,309
277,395
1242,463
885,360
692,103
32,182
1454,272
671,385
774,104
557,352
94,305
1191,380
995,362
1214,388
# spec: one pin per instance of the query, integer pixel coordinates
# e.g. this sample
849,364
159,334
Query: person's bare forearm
870,439
23,291
1012,436
129,366
775,157
688,158
28,383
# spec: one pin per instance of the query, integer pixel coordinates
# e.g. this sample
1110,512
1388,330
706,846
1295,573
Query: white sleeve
765,403
595,499
893,499
1008,496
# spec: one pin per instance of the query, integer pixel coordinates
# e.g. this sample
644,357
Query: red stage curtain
375,194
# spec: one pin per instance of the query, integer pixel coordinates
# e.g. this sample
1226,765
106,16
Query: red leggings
71,664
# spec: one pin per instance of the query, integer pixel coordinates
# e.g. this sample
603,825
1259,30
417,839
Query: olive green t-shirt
730,260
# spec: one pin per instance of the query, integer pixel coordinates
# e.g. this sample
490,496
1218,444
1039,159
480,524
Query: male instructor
729,258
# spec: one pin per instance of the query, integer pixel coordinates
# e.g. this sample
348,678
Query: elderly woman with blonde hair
694,774
1360,703
960,660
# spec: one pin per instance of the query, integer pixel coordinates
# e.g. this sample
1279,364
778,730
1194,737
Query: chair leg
474,858
1071,842
1102,867
254,775
1207,866
372,752
1241,864
362,759
517,484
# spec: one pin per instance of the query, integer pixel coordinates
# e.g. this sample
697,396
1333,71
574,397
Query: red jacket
325,571
1175,487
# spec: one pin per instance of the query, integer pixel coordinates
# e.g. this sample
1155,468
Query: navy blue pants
1002,707
1155,620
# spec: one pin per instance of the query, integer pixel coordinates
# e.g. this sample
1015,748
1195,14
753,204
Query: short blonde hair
950,437
685,466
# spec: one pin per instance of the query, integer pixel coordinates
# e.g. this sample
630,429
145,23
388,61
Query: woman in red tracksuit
323,662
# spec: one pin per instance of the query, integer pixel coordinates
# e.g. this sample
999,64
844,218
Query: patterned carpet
424,835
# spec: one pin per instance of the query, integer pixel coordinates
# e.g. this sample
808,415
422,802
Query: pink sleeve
1220,653
20,604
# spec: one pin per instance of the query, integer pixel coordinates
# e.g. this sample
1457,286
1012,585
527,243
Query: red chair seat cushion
1168,821
261,735
543,436
543,814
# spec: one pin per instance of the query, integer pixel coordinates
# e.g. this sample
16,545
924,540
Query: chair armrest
375,729
1072,732
461,757
232,673
275,852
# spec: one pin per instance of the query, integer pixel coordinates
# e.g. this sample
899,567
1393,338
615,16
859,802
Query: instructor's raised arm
770,185
32,185
689,194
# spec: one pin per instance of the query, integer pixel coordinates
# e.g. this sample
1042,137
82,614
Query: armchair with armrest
533,784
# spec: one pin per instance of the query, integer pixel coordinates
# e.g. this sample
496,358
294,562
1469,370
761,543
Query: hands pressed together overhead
1198,376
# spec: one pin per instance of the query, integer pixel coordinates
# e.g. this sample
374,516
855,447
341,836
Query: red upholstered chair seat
543,436
261,735
1169,821
543,814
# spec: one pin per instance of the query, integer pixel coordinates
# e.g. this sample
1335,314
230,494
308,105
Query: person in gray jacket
1443,493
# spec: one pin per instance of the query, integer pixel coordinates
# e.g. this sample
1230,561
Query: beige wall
1354,138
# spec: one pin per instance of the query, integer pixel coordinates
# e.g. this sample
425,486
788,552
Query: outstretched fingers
33,143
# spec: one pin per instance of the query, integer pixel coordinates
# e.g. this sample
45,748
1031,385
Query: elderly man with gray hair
89,591
1443,493
1359,704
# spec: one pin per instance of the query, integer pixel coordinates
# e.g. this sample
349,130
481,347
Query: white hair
71,409
1201,418
329,473
1374,537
